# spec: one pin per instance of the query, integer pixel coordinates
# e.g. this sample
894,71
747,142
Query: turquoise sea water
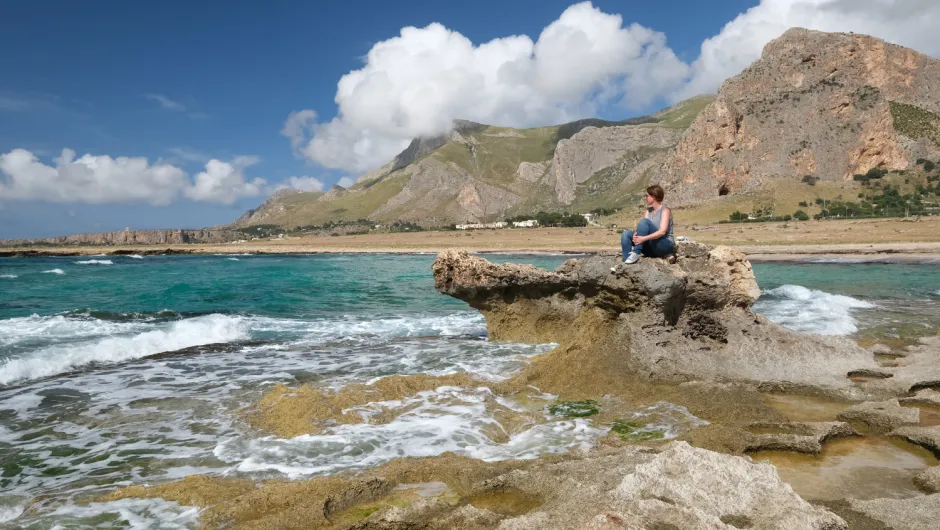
86,404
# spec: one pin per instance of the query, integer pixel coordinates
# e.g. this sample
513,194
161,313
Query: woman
653,236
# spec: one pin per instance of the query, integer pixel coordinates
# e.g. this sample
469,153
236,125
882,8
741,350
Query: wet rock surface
915,513
881,416
926,437
662,322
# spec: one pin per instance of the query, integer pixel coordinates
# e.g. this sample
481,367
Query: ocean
120,370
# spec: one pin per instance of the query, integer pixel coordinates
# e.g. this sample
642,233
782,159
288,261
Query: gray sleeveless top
656,217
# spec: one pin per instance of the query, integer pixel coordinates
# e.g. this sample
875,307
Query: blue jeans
654,248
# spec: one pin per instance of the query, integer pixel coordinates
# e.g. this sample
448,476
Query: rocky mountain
479,172
825,104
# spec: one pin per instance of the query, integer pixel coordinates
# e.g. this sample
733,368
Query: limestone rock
815,103
593,149
635,488
799,437
135,237
881,416
917,371
926,437
880,349
929,480
915,513
654,320
928,396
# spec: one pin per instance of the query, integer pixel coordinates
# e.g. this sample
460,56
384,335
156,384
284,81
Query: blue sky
181,83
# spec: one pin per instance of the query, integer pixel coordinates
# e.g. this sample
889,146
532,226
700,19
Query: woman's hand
637,239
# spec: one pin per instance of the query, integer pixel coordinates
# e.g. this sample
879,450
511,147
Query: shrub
803,204
800,215
810,180
928,165
737,216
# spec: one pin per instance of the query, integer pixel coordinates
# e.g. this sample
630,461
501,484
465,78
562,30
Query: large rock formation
824,104
637,488
652,321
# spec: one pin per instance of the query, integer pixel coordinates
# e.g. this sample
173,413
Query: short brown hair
656,192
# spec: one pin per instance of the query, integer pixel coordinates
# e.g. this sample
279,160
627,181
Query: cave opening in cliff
723,190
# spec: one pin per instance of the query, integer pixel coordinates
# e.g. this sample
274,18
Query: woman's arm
663,227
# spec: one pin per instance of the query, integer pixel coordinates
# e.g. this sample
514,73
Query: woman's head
654,194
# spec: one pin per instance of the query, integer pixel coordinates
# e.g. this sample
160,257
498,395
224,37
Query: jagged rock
915,513
926,437
815,103
688,321
929,480
678,487
881,416
918,370
927,396
799,437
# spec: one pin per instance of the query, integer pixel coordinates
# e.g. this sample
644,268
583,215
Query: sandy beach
869,240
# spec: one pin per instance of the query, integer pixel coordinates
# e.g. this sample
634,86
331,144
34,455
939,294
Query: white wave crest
54,271
8,276
59,359
95,262
59,328
232,259
135,256
811,310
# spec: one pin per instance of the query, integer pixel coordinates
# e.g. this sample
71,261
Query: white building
481,226
589,217
529,223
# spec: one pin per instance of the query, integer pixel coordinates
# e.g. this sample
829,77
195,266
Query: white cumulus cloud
418,82
100,179
225,182
346,182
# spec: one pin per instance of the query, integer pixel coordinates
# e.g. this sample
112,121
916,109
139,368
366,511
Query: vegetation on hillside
552,219
915,122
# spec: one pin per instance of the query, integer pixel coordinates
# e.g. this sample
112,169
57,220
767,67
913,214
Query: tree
737,216
803,204
800,215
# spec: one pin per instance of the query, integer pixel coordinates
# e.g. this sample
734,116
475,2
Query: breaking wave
95,262
54,271
57,359
811,310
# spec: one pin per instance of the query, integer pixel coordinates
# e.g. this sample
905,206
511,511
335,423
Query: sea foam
8,276
59,359
54,271
811,310
95,262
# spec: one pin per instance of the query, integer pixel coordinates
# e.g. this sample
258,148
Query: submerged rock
653,321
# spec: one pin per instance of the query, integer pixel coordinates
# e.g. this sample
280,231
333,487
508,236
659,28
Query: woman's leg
644,228
659,248
626,243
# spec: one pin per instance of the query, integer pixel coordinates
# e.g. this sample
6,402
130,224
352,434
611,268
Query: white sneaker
632,258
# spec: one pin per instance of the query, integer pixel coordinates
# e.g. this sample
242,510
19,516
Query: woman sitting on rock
653,235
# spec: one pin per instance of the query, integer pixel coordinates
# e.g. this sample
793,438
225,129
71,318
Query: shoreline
927,252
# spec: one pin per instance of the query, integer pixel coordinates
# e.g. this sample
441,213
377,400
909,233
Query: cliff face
134,237
824,104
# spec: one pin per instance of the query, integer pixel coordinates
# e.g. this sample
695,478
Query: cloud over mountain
420,81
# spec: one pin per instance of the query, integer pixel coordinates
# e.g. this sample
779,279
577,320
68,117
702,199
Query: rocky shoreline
680,333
